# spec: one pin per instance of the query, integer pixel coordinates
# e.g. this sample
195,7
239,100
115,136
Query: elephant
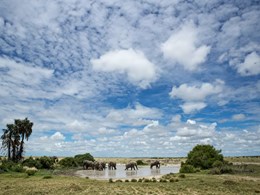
131,165
98,166
112,165
88,164
156,164
103,165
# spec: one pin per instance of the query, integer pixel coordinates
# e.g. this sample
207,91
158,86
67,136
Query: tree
6,142
203,156
24,127
20,130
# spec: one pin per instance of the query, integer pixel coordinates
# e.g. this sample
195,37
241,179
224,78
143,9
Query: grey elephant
112,165
103,165
156,164
131,165
98,166
88,164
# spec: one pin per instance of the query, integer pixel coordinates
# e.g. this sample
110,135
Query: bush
146,180
31,171
7,165
140,180
182,176
110,180
17,168
203,156
133,180
119,180
43,162
217,163
140,162
126,180
187,169
68,162
81,157
47,176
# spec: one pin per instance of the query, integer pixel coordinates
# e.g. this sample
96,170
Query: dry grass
19,183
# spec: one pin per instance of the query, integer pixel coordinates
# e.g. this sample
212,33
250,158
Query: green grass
198,183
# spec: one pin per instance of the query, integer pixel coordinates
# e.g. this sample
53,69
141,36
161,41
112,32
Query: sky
132,78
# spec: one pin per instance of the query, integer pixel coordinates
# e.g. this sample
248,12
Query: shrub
126,180
81,157
110,180
182,176
172,180
29,162
119,180
140,180
217,163
68,162
31,171
203,156
140,162
146,180
215,171
45,162
47,176
133,180
187,169
17,168
163,180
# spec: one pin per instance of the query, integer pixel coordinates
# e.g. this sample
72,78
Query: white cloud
195,93
23,73
140,71
191,107
57,136
238,117
183,47
251,65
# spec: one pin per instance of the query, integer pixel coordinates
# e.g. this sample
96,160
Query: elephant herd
100,166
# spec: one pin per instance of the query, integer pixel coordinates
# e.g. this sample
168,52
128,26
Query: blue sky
132,78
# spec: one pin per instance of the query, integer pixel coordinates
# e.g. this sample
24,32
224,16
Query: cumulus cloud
191,107
57,136
251,65
184,48
139,69
195,92
195,95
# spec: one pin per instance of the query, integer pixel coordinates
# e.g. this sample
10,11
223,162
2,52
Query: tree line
13,138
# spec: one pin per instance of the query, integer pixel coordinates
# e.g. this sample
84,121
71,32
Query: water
120,173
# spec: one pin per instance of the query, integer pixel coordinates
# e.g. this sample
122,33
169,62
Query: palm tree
24,128
6,142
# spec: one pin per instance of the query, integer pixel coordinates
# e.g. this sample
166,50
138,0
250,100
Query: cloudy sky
132,77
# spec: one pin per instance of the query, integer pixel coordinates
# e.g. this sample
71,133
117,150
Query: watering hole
120,173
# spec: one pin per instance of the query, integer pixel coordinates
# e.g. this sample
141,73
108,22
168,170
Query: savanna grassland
49,182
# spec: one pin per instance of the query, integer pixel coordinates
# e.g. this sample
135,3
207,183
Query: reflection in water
111,173
131,173
144,171
155,171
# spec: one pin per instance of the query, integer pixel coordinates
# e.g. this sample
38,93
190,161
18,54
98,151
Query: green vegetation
196,183
68,162
81,157
13,138
202,157
140,162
